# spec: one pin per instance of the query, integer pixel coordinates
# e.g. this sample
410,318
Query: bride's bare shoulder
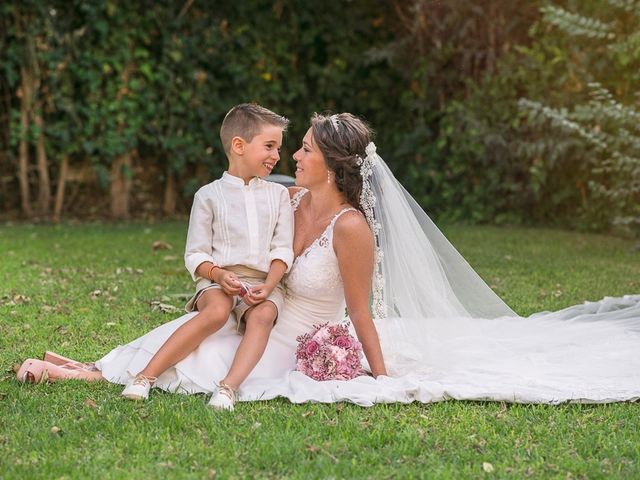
352,226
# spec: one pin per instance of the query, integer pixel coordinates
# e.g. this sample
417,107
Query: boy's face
262,154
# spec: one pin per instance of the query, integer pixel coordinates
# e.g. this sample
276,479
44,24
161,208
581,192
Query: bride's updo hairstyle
342,138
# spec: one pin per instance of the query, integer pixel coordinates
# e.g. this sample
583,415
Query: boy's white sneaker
224,398
138,387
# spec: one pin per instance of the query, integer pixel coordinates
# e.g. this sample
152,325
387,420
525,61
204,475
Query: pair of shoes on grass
224,398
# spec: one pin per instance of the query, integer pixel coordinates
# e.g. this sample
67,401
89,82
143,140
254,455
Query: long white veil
422,274
436,316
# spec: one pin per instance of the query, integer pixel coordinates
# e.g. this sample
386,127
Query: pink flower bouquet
329,352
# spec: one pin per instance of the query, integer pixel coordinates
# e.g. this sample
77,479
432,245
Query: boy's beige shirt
236,224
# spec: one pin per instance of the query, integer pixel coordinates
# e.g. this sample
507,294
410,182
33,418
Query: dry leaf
90,403
20,299
163,307
56,430
161,245
212,473
487,467
312,448
95,294
169,258
307,414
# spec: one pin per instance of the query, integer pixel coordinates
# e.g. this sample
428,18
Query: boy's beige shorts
251,277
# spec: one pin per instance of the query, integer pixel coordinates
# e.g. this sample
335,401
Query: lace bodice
314,284
315,272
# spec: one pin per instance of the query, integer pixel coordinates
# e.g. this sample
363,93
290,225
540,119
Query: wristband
210,273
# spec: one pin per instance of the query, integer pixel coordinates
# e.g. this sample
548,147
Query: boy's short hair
245,121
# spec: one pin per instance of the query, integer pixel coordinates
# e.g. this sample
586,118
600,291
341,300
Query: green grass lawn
83,289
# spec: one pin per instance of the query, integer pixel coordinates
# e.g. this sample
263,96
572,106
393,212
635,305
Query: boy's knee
215,315
262,316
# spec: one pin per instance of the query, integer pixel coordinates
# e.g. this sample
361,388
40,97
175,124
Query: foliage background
117,104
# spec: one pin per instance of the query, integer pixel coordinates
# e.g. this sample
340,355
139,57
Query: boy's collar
227,177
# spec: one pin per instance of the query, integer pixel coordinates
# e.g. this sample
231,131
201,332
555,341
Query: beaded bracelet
210,273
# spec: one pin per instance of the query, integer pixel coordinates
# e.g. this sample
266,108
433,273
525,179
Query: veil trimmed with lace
418,272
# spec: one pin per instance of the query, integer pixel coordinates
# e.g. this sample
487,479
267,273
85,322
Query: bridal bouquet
329,352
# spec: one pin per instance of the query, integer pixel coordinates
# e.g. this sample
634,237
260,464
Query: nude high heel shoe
58,359
39,371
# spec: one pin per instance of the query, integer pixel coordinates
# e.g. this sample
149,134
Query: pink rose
343,341
312,347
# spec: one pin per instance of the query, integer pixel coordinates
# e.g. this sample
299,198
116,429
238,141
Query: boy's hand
257,294
227,281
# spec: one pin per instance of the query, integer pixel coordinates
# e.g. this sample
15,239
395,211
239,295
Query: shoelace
144,380
227,391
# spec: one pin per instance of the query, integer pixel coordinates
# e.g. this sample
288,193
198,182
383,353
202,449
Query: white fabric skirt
586,353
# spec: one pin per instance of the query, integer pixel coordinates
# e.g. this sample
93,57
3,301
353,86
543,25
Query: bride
434,330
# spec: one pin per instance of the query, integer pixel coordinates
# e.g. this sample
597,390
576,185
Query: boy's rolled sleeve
282,240
199,236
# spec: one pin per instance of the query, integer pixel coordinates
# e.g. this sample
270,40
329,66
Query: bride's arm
353,244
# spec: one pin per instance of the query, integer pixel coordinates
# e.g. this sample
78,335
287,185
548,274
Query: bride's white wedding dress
585,353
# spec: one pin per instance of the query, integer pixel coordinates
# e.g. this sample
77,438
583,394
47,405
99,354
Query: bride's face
311,168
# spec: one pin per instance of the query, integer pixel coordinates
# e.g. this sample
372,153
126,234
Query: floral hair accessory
335,121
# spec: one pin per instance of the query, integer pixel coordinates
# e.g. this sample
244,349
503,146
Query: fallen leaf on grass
487,467
307,414
120,271
20,299
166,464
163,307
62,330
161,245
9,301
56,430
95,294
212,473
169,258
90,403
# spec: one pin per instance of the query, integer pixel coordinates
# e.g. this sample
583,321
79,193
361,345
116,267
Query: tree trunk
120,186
121,168
23,158
169,204
44,183
62,182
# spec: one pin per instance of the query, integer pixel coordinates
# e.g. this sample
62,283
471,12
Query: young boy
239,245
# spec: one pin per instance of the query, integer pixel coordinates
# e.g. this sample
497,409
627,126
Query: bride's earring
328,176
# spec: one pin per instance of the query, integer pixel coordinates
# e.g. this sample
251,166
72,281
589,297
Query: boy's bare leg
215,307
259,322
